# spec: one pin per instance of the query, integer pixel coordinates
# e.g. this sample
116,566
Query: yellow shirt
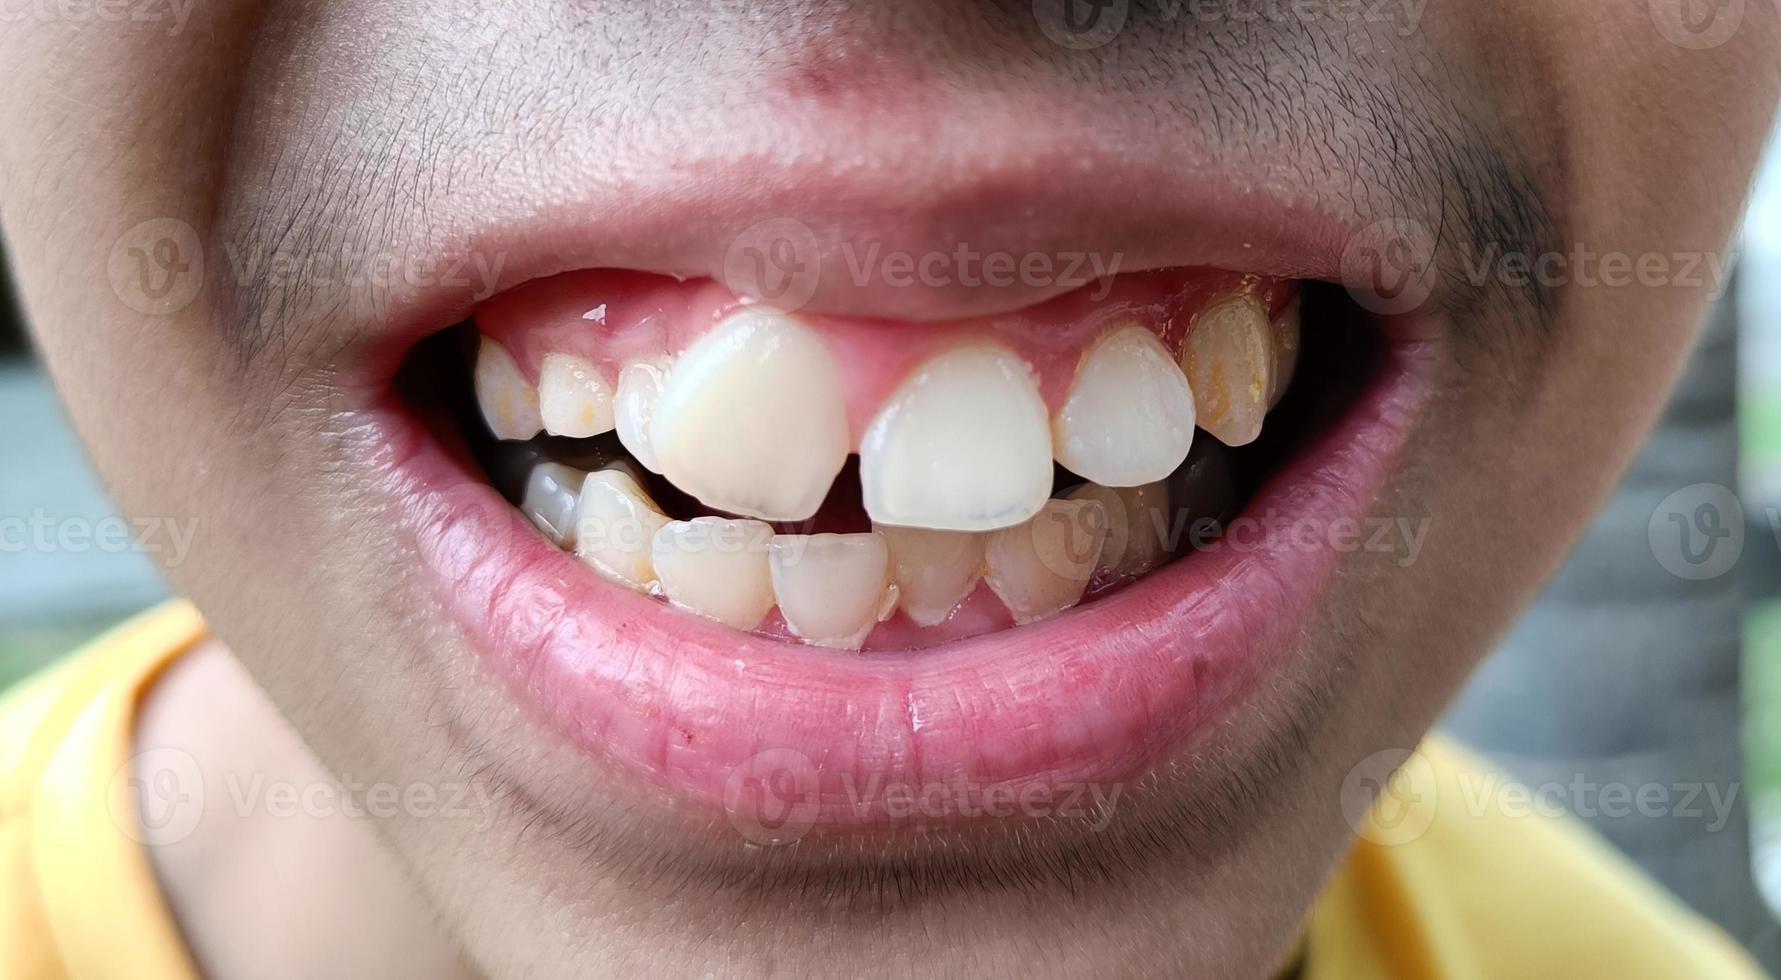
1442,885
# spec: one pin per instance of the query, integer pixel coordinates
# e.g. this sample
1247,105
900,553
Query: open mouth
1023,550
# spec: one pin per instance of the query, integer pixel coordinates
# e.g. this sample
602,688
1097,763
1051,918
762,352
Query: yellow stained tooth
1285,329
508,401
716,568
1041,568
1229,361
753,420
1138,526
963,445
832,588
573,400
1129,417
934,570
616,525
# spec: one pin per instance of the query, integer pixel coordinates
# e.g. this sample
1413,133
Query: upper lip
1045,193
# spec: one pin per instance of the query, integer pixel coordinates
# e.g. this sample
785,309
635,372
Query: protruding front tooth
1285,329
963,445
1040,568
832,588
1229,360
934,570
716,568
1138,526
1129,417
753,419
615,528
639,388
573,400
509,402
551,491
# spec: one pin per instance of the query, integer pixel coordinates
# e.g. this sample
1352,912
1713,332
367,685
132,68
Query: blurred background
1649,672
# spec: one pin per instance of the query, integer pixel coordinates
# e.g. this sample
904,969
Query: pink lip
1093,696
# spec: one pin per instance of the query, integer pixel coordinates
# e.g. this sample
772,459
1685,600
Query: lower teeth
588,496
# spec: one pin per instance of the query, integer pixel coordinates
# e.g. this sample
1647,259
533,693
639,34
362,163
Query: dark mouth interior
1340,353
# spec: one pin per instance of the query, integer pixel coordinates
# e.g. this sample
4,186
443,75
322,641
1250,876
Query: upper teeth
1286,349
1129,417
964,445
1229,360
956,466
752,419
509,402
573,400
639,388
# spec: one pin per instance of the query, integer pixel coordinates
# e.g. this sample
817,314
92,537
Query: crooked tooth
615,528
752,419
1129,417
963,445
832,588
1041,568
573,400
1138,526
551,492
717,568
1229,360
934,570
508,401
1285,330
634,405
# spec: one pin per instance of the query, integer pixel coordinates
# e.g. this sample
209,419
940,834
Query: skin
1532,127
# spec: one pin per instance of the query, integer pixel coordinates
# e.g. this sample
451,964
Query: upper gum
875,357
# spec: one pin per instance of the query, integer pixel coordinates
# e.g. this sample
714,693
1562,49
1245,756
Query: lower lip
1092,697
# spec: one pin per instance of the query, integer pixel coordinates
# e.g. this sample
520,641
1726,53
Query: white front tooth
615,528
832,588
753,420
1129,417
717,568
1229,360
509,402
639,387
549,500
1138,526
1285,329
1040,568
963,445
573,400
934,570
